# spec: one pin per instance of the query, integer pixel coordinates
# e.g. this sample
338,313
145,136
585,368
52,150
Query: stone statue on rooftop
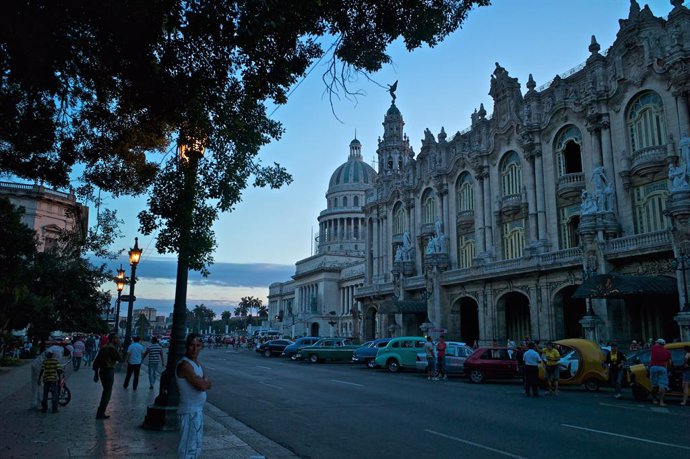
392,88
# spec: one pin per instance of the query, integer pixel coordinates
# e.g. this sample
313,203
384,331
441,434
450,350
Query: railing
511,200
504,265
559,256
575,178
638,241
36,188
655,153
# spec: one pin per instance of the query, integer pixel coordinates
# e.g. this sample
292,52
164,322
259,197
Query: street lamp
162,415
120,283
134,257
682,264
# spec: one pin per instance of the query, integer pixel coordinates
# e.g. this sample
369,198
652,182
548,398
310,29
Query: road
343,410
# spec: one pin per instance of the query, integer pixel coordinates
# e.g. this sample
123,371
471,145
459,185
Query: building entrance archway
314,329
464,320
514,317
568,312
369,327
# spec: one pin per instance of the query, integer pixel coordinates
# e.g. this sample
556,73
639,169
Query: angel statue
392,88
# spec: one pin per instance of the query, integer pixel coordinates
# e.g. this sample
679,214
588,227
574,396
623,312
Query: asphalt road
339,410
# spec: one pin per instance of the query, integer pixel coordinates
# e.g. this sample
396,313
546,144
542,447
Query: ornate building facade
564,213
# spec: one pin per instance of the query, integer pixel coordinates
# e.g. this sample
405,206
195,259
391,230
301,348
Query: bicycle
64,394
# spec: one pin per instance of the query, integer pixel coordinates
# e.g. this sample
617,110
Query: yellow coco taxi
639,372
582,362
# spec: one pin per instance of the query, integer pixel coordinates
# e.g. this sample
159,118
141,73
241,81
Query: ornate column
606,151
682,110
488,233
530,189
541,195
678,209
479,214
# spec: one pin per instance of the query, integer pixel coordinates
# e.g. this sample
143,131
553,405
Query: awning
403,307
620,286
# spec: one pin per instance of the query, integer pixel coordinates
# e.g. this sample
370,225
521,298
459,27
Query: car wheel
639,393
267,353
592,385
293,357
477,376
393,366
314,358
371,363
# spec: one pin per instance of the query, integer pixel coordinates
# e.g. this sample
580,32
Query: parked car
400,353
490,362
456,354
583,363
639,372
274,347
331,349
292,350
366,353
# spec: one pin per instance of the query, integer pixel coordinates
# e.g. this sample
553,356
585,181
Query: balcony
511,204
465,219
570,185
649,160
639,244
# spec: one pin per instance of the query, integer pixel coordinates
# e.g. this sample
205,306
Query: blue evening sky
259,242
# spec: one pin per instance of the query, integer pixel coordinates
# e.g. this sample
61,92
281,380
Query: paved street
347,411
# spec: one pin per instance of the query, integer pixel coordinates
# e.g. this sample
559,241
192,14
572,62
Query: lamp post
134,257
162,415
120,283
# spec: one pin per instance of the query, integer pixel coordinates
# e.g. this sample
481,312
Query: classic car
639,372
491,363
273,347
366,353
292,350
456,354
328,349
400,353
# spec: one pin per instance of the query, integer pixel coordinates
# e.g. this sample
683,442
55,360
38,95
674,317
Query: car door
452,359
675,373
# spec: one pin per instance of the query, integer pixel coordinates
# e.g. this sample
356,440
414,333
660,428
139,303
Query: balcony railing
646,241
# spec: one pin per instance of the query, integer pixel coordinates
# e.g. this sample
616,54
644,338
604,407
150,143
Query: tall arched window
344,201
646,126
428,207
568,148
355,201
465,250
511,181
513,239
650,204
464,195
398,219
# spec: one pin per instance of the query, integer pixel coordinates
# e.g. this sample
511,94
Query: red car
492,363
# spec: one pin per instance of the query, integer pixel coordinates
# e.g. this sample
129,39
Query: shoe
617,396
445,377
428,378
662,404
683,403
435,379
656,402
102,416
55,411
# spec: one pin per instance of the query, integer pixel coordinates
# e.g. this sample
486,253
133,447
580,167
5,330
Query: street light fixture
162,415
120,283
134,257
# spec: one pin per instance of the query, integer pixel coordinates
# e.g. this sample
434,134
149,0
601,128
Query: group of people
436,358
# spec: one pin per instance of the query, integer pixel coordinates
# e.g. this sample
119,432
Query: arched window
646,126
344,201
465,250
511,181
355,201
569,220
398,219
428,207
568,148
513,239
464,195
335,202
650,204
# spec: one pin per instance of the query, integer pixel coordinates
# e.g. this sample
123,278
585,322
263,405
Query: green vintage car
332,349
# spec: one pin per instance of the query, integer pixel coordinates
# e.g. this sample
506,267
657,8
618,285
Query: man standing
155,353
441,347
658,370
552,357
532,359
78,353
135,353
430,359
193,385
89,348
615,361
50,374
104,363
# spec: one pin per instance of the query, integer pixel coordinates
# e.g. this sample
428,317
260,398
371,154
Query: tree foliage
103,85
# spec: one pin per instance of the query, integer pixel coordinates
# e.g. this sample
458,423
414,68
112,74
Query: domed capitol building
564,213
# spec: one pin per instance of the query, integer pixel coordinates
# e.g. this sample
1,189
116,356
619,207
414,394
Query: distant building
48,212
149,313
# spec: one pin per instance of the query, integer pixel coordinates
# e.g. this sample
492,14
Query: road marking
646,409
471,443
270,385
348,383
628,437
265,368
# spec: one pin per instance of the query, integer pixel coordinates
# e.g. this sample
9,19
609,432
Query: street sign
125,298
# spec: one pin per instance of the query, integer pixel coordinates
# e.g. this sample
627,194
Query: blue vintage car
292,350
367,352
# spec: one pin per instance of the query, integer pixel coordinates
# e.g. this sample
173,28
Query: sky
266,233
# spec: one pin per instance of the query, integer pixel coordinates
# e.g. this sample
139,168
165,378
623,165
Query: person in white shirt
532,359
193,384
135,353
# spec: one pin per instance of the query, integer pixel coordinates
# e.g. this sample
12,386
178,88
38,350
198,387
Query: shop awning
403,307
620,286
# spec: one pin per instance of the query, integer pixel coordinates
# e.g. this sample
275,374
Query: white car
164,342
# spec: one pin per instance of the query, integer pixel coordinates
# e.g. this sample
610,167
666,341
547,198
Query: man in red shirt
441,357
658,370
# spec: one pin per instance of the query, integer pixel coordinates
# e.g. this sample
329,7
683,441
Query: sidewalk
75,433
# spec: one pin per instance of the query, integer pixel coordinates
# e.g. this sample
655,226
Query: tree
249,303
262,311
225,315
101,85
202,316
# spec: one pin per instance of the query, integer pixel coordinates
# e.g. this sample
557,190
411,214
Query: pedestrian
192,384
552,358
155,353
658,370
430,359
89,347
532,359
686,375
78,353
441,347
104,367
614,361
49,375
135,351
634,346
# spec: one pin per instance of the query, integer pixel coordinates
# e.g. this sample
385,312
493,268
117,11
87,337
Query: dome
393,110
353,172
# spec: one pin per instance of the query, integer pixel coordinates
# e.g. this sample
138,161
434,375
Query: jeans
153,373
76,363
132,369
50,387
441,365
532,380
616,376
107,379
191,435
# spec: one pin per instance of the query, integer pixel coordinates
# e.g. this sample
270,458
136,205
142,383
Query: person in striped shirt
155,353
49,375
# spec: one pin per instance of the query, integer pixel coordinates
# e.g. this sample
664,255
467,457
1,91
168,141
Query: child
49,375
